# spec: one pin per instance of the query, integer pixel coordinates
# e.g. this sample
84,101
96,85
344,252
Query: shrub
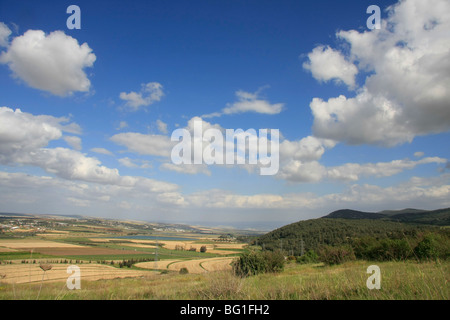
309,257
336,255
203,249
256,262
184,271
433,246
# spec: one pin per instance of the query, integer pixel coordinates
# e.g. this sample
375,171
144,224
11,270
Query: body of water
155,238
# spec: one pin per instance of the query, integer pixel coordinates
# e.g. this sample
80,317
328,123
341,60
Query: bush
433,246
184,271
309,257
382,250
203,249
256,262
336,255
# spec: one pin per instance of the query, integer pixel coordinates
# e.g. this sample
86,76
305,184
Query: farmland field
104,250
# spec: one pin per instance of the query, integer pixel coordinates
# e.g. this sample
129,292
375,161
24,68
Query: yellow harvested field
210,248
3,249
217,248
193,266
23,244
161,264
219,264
26,273
202,265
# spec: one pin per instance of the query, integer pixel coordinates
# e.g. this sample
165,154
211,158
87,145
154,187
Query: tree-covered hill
345,226
440,217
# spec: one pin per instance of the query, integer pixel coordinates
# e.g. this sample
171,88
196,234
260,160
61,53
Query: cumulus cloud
405,93
162,126
248,102
73,141
122,125
150,93
186,168
22,133
5,32
24,139
144,144
327,64
419,154
130,163
102,151
420,192
353,171
53,63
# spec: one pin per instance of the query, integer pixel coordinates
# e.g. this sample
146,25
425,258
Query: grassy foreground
399,281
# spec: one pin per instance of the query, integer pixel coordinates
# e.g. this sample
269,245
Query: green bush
256,262
433,246
184,271
309,257
382,250
336,255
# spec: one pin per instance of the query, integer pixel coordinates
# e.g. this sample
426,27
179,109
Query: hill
354,214
440,217
343,226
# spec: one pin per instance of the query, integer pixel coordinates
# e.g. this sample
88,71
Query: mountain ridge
439,217
344,225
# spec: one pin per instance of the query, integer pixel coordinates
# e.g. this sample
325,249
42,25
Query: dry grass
32,243
400,281
29,273
202,265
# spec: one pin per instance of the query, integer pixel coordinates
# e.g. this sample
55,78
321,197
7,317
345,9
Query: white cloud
302,171
54,63
406,91
419,154
23,138
162,127
354,171
122,125
327,64
306,149
144,144
130,163
186,168
149,94
5,32
102,151
73,141
22,133
417,192
249,102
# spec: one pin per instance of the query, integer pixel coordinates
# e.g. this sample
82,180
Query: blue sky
363,114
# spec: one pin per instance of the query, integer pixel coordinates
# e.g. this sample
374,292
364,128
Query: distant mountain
407,210
354,214
341,226
440,217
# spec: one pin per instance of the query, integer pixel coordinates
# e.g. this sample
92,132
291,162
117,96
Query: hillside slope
341,226
440,217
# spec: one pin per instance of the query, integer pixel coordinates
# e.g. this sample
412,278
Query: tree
203,249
